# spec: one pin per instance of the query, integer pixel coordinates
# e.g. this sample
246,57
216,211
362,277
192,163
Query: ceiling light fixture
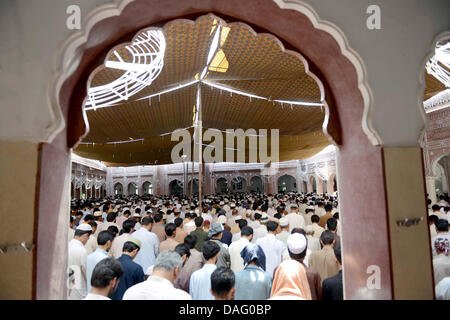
147,62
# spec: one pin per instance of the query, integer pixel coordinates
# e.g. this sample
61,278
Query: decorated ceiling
247,81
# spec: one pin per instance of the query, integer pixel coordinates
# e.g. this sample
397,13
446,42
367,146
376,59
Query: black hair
113,230
264,207
246,231
198,221
137,210
170,229
332,224
89,217
442,225
127,212
336,215
190,241
242,223
435,207
79,213
129,246
327,237
315,218
93,224
182,250
328,207
210,249
71,219
178,222
433,218
111,217
337,253
106,270
222,281
128,225
258,216
158,217
103,237
272,225
146,221
277,215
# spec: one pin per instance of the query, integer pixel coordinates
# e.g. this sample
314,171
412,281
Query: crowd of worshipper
438,220
240,246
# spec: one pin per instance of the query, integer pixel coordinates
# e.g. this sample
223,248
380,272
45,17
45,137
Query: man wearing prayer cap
77,255
215,234
284,230
226,236
297,245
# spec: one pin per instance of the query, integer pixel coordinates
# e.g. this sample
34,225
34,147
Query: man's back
158,229
441,266
253,283
323,261
117,245
149,248
132,274
224,256
201,237
324,219
200,283
237,263
155,288
332,288
295,221
273,249
91,261
192,264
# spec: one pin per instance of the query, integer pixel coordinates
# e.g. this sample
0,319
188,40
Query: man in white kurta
150,244
77,255
159,286
295,219
237,263
272,247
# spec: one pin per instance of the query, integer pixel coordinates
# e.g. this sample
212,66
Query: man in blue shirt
104,242
132,272
200,282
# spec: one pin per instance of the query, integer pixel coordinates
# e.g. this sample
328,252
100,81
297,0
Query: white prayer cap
297,243
309,229
136,215
129,204
222,203
310,208
237,218
222,219
84,227
232,205
97,214
284,222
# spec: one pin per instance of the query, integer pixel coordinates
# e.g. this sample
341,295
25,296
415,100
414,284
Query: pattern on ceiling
254,63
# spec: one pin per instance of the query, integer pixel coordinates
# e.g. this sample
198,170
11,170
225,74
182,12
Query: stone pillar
431,189
319,185
330,185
